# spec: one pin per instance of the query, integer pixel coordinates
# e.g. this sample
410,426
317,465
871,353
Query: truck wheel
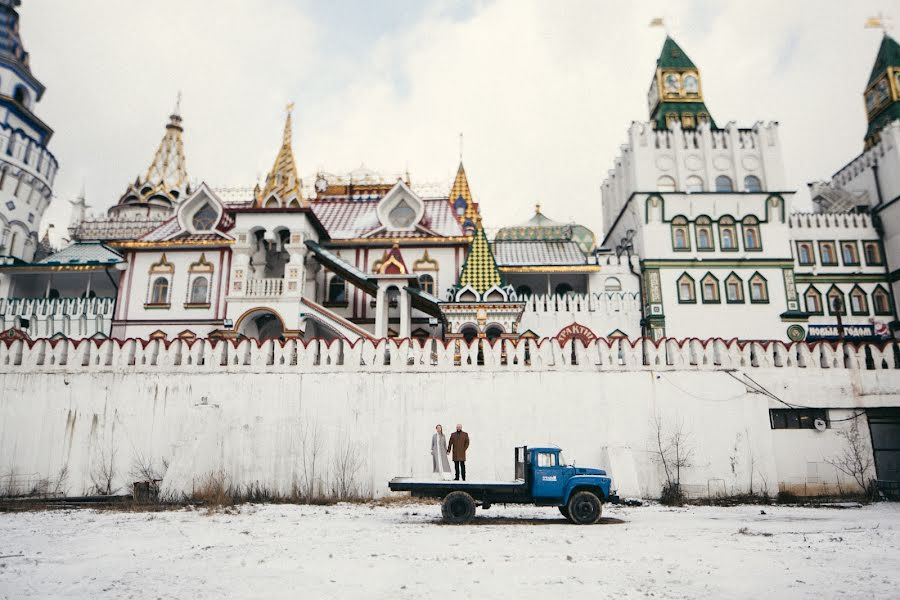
564,511
458,508
584,508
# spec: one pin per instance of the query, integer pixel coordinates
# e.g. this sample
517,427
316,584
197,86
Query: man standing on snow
459,443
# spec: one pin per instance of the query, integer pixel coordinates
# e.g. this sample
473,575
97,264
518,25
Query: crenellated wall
265,414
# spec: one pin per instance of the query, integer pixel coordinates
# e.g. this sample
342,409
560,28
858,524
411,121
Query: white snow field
403,551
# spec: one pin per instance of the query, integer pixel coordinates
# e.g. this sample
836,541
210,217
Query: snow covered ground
352,551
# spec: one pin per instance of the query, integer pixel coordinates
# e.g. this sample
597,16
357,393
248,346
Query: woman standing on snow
439,453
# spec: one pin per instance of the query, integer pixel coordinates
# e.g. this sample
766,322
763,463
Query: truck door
549,478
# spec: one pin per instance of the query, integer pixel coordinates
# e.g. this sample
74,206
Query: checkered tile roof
537,253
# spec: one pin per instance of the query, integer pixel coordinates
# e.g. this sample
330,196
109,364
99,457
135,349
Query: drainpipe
877,183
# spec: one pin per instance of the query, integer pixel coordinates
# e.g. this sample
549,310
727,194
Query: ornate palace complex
297,285
700,241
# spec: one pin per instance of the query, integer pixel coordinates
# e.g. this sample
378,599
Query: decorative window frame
889,310
812,253
751,223
686,278
668,182
877,245
717,296
835,291
691,180
757,276
700,223
433,281
818,294
731,225
857,292
855,246
162,268
734,277
681,223
201,268
834,253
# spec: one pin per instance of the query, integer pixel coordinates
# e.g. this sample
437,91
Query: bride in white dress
439,454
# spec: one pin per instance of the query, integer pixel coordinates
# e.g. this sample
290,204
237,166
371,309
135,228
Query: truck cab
553,482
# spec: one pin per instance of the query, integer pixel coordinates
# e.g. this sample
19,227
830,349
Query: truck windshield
562,460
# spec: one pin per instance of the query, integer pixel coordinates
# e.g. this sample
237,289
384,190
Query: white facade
27,167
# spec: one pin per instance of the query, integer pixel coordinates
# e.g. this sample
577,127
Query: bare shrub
346,463
103,473
856,459
311,443
673,451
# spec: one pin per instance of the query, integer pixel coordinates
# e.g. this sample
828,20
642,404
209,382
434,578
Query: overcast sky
544,91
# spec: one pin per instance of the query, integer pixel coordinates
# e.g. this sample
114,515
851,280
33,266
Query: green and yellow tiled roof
480,269
461,195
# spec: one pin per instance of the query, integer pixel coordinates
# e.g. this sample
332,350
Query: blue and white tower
27,168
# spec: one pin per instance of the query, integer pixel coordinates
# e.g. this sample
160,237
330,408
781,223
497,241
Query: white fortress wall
70,412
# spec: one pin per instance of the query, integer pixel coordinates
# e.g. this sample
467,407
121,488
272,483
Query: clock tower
676,93
882,95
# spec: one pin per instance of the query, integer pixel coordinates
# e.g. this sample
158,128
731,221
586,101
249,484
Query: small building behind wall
70,293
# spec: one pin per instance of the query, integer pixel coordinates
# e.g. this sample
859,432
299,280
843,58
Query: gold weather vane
460,145
879,21
660,22
290,107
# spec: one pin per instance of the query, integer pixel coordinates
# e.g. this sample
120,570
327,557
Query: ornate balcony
264,288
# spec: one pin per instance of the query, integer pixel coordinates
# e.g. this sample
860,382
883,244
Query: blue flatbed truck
541,479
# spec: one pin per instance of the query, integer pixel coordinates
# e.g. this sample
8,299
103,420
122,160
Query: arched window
709,289
523,291
200,290
493,332
562,289
881,301
859,302
759,289
727,233
337,290
402,215
827,253
805,253
836,304
850,253
469,333
686,291
612,284
159,293
703,232
681,240
734,289
813,301
693,184
20,95
665,184
723,184
750,225
873,253
271,203
752,184
426,282
459,206
53,294
205,218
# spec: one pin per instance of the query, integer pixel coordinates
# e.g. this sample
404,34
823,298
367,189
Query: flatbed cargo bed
492,491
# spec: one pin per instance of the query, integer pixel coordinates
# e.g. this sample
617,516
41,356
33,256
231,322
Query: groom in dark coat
459,443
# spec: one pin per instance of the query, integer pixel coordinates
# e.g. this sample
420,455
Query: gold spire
283,181
460,189
167,172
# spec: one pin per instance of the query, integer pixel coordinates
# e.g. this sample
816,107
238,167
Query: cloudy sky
543,90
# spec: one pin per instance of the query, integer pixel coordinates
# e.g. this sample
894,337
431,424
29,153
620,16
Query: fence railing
264,288
435,355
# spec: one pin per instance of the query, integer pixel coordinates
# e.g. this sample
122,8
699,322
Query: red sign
575,331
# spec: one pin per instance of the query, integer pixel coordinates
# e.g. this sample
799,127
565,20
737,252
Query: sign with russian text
851,332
